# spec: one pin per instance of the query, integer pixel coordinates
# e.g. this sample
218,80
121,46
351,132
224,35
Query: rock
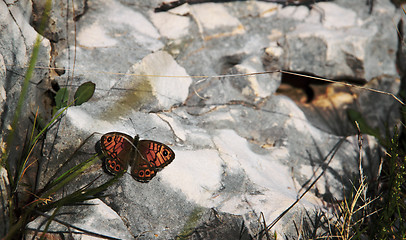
202,79
171,25
94,217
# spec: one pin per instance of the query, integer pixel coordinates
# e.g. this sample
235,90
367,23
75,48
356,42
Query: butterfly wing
117,149
150,157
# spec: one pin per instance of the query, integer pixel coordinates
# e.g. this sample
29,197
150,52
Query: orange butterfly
145,157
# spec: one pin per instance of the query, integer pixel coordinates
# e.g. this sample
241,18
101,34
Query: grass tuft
21,199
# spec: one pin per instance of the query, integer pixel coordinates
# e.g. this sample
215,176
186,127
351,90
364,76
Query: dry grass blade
345,84
331,154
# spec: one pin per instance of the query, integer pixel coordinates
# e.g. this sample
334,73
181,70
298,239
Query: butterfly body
146,157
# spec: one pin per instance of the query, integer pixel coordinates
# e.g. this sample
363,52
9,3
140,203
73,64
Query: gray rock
241,150
94,217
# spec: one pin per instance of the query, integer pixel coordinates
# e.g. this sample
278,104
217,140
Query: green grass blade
52,178
51,122
69,175
82,194
22,168
49,223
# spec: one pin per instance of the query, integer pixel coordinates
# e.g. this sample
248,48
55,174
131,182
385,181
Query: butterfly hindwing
142,170
113,166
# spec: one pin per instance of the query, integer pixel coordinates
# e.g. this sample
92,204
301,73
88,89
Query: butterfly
146,157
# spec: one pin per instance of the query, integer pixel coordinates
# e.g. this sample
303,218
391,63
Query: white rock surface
240,149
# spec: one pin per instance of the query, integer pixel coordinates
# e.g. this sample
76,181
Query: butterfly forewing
156,153
118,150
150,157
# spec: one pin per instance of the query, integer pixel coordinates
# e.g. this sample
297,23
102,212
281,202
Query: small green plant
21,199
391,204
25,202
375,207
384,204
82,95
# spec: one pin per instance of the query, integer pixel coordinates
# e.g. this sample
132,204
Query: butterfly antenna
148,130
139,153
144,131
132,123
130,141
94,133
136,149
